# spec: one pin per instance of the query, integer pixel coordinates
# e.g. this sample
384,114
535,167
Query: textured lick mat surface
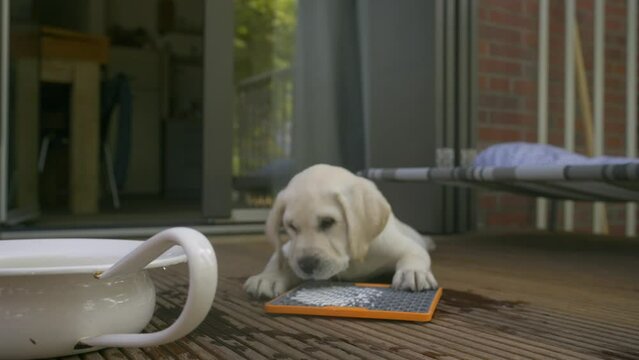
359,300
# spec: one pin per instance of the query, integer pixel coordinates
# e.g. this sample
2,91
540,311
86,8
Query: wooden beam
85,139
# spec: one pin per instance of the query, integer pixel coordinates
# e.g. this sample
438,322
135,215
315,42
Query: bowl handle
202,285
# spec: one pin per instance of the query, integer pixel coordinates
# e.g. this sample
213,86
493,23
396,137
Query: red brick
509,19
509,219
556,61
499,34
488,201
499,102
530,137
502,67
615,68
615,127
615,10
511,118
531,40
530,103
525,87
616,42
616,53
616,113
613,25
615,152
483,47
614,98
514,6
531,7
515,201
508,51
483,82
483,117
555,92
483,14
556,28
617,229
500,84
498,134
586,5
556,138
613,141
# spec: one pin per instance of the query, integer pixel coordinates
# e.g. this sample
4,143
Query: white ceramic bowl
64,296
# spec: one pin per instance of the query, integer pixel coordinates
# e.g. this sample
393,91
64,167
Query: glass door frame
26,207
218,109
4,110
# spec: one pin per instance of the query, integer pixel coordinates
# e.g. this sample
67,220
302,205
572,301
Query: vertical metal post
462,81
4,110
218,109
451,104
450,194
463,89
542,101
472,119
631,104
440,61
569,99
598,91
440,100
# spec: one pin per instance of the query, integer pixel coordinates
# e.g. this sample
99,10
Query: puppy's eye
326,223
292,227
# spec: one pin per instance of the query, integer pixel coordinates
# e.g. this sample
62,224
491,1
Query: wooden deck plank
320,336
539,338
335,329
534,296
539,349
115,354
243,326
134,354
542,324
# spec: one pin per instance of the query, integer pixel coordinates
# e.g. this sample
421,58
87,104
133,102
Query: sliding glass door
182,110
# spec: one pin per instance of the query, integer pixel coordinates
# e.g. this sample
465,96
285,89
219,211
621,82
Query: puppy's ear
366,212
274,224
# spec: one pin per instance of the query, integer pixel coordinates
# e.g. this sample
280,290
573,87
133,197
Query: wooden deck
506,297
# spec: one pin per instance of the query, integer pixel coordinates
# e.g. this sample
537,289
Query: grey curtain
328,125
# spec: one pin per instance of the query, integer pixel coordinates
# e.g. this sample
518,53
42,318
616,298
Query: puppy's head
330,216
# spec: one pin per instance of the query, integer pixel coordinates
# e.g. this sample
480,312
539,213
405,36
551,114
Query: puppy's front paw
414,280
267,285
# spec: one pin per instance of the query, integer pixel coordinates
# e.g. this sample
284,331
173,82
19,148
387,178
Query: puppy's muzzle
308,264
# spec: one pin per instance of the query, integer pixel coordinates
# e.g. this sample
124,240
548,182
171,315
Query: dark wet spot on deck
621,354
467,301
432,355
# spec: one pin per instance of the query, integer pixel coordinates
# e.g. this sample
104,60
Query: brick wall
508,40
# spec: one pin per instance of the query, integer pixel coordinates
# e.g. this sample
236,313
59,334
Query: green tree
264,43
264,36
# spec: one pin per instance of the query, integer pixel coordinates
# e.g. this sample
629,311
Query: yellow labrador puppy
339,226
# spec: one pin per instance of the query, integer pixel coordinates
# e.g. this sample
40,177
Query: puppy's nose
308,264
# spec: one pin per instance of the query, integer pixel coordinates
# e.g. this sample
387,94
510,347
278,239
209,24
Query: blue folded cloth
522,153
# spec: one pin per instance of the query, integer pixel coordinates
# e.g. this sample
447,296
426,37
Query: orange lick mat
357,300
